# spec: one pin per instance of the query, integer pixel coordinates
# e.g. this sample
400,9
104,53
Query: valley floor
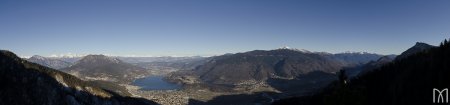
174,97
199,96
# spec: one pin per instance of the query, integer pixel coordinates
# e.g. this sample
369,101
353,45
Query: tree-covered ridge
407,81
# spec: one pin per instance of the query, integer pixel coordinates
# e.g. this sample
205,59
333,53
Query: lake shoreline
155,82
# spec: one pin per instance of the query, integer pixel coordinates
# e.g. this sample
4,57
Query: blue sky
212,27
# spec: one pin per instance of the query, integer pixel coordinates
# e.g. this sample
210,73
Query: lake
155,83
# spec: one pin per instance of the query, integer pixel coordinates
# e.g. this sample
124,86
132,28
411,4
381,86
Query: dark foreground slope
26,83
407,81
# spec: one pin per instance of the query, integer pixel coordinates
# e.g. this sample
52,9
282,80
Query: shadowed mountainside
26,83
418,47
261,65
406,81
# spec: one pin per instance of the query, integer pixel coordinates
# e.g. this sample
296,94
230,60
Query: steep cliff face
26,83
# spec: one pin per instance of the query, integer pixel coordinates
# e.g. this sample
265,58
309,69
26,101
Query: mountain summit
418,47
99,60
49,62
294,49
256,68
101,67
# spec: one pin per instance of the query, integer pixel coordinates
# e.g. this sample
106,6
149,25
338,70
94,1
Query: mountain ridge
407,81
25,82
101,67
418,47
265,68
49,62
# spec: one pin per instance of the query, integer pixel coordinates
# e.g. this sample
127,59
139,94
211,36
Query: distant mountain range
272,67
363,69
145,62
158,59
358,58
261,65
26,83
101,67
49,62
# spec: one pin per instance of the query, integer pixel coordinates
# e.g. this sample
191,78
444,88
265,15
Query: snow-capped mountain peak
295,49
67,55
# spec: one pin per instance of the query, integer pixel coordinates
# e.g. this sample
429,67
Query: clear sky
212,27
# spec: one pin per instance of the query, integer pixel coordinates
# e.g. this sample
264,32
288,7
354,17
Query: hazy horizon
206,28
108,54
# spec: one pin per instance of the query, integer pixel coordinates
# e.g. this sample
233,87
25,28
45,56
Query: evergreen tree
342,77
